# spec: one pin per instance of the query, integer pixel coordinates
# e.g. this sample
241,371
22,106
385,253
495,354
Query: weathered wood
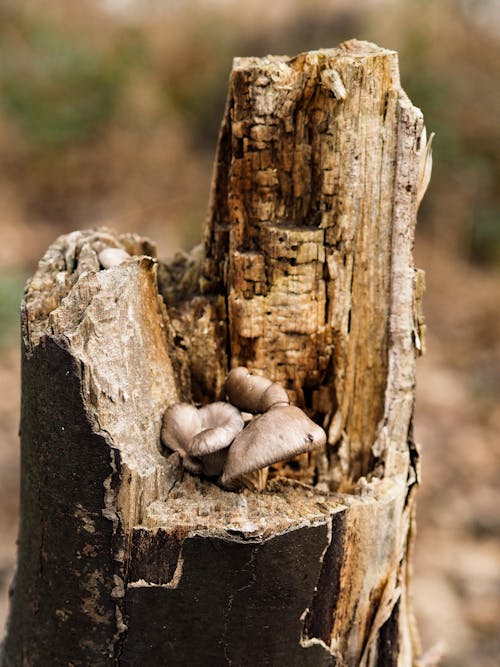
305,274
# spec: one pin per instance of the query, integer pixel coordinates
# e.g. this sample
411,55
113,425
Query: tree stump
305,274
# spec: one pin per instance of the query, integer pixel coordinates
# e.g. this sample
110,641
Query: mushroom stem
255,481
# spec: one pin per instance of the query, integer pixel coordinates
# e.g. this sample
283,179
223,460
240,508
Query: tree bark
305,274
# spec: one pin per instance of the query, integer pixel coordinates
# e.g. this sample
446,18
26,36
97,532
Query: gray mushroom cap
277,435
181,422
220,424
253,393
275,394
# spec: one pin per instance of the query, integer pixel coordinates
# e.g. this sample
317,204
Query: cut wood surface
306,275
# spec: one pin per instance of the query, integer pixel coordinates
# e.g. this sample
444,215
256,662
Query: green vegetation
57,87
88,100
11,291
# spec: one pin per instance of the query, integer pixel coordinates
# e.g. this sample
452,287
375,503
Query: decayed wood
311,222
305,274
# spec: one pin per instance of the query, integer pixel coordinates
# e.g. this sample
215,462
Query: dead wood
305,274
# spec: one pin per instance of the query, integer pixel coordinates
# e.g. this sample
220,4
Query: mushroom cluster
238,439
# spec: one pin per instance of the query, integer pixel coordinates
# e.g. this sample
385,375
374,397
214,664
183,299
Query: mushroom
281,433
215,440
201,436
253,393
110,257
181,422
220,423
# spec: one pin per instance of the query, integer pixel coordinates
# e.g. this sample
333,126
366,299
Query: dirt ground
457,559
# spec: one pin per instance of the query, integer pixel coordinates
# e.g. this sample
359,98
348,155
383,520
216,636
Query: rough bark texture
305,274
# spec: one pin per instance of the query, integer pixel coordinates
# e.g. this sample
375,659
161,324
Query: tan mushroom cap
110,257
220,424
253,393
277,435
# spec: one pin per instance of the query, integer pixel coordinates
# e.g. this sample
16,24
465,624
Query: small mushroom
277,435
201,436
220,424
181,422
275,394
253,393
110,257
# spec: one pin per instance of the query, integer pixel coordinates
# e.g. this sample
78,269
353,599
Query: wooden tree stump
305,274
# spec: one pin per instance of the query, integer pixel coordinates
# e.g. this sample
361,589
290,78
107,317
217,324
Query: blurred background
109,113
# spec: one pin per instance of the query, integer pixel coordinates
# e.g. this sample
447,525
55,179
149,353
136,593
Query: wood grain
306,274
